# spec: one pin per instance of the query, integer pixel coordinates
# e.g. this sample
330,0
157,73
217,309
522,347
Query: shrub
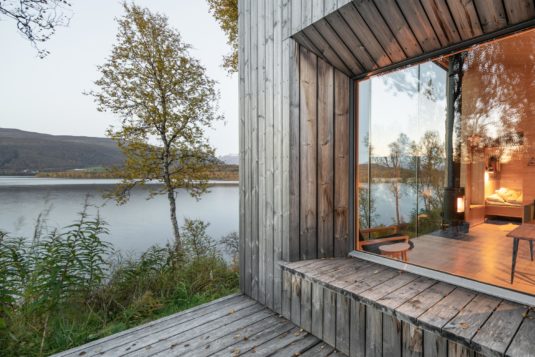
66,287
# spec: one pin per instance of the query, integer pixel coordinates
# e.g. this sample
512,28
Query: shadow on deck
231,326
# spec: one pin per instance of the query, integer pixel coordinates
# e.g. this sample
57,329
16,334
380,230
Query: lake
134,227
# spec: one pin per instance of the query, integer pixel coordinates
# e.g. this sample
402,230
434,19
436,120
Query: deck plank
405,293
173,337
320,350
440,314
175,319
422,302
495,335
202,342
471,317
522,344
234,338
244,345
272,346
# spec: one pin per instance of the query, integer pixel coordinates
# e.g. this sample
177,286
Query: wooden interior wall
294,148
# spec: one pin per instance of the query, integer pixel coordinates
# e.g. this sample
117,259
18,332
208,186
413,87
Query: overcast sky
45,95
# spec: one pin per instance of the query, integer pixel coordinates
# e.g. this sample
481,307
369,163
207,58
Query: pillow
502,191
517,200
507,194
495,198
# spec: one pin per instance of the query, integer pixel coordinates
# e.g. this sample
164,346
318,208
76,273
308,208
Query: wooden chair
387,235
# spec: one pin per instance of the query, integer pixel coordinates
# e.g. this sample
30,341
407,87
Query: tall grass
62,288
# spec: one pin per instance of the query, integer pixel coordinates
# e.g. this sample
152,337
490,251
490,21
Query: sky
46,95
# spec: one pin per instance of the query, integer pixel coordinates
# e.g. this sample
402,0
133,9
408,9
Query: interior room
445,170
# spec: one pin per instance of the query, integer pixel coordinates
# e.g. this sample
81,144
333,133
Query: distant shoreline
223,172
17,181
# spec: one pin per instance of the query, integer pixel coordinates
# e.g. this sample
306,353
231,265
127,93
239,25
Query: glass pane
366,213
428,149
393,129
447,157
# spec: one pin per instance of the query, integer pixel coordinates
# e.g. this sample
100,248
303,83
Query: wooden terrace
367,309
231,326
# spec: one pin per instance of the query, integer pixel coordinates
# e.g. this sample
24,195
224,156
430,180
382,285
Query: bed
505,202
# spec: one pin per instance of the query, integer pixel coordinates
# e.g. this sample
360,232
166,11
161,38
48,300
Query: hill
23,152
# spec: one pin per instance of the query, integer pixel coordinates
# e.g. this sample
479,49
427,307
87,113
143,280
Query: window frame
465,282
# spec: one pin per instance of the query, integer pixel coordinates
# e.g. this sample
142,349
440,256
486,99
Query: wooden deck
366,309
484,254
232,326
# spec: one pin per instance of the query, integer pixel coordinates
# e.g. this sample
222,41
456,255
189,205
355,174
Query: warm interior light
460,204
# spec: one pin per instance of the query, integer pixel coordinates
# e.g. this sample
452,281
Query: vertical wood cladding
294,148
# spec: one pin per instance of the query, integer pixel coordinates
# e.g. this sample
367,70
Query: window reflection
446,161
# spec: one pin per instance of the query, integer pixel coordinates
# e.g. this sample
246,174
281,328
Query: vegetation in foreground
63,288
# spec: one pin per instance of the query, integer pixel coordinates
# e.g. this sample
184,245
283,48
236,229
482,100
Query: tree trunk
174,221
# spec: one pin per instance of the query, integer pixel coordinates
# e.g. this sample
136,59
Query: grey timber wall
360,37
294,146
295,61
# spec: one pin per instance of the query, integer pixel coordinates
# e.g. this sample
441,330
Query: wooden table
525,231
396,251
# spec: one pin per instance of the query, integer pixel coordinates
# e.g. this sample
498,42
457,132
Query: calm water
133,227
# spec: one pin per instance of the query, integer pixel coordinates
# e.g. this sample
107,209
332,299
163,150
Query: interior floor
484,254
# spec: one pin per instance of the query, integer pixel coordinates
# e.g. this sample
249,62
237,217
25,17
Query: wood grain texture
491,14
329,317
341,164
497,332
420,25
338,46
373,18
259,273
439,16
269,158
406,315
357,335
278,144
242,147
343,307
325,159
325,49
256,100
374,332
348,37
295,315
522,344
317,310
519,10
412,340
435,345
465,16
308,158
398,25
391,336
306,305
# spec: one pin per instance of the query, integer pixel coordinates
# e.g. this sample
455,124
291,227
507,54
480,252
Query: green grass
66,288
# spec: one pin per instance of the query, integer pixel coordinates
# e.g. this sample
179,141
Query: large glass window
446,163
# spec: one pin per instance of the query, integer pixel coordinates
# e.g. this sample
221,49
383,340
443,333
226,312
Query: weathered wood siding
360,36
295,59
364,309
294,147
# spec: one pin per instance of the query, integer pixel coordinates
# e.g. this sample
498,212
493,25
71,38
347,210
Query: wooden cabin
387,162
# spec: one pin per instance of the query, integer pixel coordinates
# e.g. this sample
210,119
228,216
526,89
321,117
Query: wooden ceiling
364,36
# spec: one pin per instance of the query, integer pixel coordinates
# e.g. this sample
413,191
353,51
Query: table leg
531,249
515,252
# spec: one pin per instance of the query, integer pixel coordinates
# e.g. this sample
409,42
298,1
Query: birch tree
165,101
